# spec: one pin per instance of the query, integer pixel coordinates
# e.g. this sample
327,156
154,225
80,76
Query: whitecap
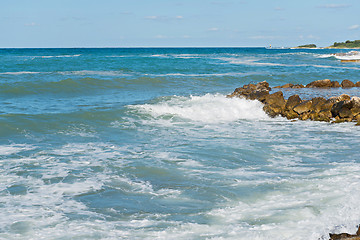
209,108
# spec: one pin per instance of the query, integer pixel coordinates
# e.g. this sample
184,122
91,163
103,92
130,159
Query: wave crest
210,108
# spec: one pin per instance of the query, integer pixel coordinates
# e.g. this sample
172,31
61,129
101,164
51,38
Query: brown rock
304,116
342,106
259,95
325,83
292,102
357,84
261,86
345,113
347,84
356,106
343,97
249,89
335,84
314,116
303,107
288,85
317,103
290,114
274,104
324,115
298,86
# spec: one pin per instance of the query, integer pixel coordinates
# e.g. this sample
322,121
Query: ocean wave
210,108
68,85
55,56
20,73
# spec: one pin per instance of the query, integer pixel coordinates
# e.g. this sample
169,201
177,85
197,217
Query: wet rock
346,236
343,97
304,116
356,106
347,84
357,84
292,102
325,83
274,104
298,86
303,107
317,102
290,114
345,113
335,84
324,115
336,109
259,90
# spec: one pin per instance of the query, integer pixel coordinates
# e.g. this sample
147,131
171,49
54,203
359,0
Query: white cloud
160,37
152,17
334,6
279,9
30,24
354,27
214,29
164,18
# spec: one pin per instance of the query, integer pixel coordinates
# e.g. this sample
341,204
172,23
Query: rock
288,85
357,84
303,107
261,86
342,106
274,104
347,84
298,86
251,89
292,102
325,83
335,84
317,103
324,115
345,113
290,114
343,97
304,116
356,106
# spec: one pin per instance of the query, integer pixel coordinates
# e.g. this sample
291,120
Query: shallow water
143,144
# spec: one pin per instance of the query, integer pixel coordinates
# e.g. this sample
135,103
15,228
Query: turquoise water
143,144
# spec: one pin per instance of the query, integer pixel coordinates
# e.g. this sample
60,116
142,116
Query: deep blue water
141,143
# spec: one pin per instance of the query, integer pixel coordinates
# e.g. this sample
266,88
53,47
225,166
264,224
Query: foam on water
210,108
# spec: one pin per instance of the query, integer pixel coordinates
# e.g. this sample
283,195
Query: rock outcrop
335,109
325,83
346,236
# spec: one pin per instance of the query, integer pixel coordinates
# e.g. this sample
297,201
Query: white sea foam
19,73
58,56
89,72
14,148
210,74
248,61
210,108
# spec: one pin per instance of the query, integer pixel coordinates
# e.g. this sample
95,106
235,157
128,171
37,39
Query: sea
142,143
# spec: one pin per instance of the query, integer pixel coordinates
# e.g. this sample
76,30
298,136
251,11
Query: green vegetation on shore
307,46
347,44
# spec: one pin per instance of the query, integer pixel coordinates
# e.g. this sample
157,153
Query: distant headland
347,44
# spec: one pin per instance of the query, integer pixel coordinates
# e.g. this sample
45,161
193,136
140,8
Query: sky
177,23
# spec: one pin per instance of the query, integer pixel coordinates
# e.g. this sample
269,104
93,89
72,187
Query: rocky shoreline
338,109
346,236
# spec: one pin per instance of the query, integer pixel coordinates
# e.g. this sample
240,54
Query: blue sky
131,23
